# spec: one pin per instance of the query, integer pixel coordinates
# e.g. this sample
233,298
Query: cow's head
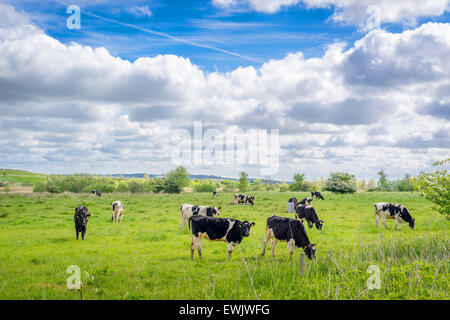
310,251
244,227
216,211
412,224
251,199
319,225
82,216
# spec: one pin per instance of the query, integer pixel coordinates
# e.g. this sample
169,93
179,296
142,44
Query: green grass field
148,257
18,177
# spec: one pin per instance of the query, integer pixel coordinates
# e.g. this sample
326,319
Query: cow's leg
396,223
291,248
377,219
274,244
182,220
121,217
383,220
77,232
266,239
193,246
230,247
199,246
83,232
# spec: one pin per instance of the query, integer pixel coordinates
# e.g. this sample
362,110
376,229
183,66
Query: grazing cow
306,201
189,210
117,211
96,193
316,194
230,231
309,214
395,211
81,219
243,198
215,194
289,230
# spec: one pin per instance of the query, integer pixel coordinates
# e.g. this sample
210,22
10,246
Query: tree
435,186
284,186
372,184
383,182
176,180
256,185
403,184
243,182
299,183
362,184
341,182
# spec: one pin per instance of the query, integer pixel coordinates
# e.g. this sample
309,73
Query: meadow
148,256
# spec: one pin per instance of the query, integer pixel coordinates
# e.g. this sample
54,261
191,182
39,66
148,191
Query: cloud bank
383,103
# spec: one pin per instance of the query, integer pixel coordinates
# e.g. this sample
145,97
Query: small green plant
435,186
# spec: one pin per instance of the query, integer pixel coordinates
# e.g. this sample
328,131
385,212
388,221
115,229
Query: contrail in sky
165,35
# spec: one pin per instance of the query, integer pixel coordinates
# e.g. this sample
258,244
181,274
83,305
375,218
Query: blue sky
258,35
345,94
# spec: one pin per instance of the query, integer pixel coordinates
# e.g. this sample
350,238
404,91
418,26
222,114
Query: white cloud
381,104
142,11
356,12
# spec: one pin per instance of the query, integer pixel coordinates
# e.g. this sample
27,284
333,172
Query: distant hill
29,178
20,177
191,176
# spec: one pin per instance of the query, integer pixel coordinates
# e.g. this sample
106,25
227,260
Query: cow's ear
219,208
252,224
88,215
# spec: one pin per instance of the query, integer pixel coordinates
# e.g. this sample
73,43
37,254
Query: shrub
341,182
435,186
205,186
134,186
176,180
299,183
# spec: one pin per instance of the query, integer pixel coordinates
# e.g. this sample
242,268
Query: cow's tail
189,224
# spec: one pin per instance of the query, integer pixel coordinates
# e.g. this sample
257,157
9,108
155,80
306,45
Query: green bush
435,186
205,186
341,182
299,183
134,186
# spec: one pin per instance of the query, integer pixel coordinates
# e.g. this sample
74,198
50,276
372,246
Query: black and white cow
289,230
306,201
243,198
395,211
215,194
96,193
81,219
118,210
316,194
309,214
189,210
230,231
